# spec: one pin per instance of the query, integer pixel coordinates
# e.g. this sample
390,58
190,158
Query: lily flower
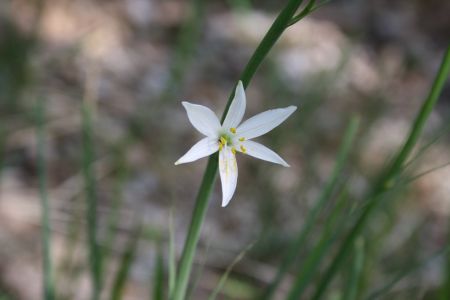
230,137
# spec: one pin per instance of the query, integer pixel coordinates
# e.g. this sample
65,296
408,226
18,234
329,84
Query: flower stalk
280,24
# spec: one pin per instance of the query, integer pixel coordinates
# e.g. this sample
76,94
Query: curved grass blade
225,275
197,276
312,216
389,176
382,291
442,132
333,229
309,8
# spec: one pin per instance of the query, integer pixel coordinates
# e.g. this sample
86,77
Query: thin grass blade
321,202
114,216
91,201
333,229
125,264
225,275
158,282
383,290
172,257
48,284
389,176
351,291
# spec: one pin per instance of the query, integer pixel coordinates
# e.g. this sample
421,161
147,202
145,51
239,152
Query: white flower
230,137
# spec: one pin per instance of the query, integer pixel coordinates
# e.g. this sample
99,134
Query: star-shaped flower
230,137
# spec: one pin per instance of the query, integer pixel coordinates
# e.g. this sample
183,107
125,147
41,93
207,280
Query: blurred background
134,61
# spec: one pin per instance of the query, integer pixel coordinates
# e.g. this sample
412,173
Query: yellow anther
241,139
233,130
220,146
243,149
233,150
223,141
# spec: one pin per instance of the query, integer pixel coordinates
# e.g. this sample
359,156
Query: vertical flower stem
388,178
198,216
48,284
201,205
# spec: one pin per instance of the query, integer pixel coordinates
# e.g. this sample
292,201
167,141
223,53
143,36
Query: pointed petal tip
225,202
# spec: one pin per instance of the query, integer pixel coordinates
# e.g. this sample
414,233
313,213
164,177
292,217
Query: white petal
204,147
262,152
202,118
264,122
237,108
228,174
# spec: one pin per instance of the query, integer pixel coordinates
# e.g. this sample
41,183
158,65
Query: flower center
225,140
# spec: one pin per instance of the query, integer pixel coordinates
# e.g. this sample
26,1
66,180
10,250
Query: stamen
223,140
233,130
233,150
243,149
241,139
220,146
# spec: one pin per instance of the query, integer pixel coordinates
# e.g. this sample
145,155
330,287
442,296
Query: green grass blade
426,172
312,216
91,201
172,257
305,11
351,291
158,282
444,131
387,179
333,229
48,284
114,216
208,180
125,264
383,290
225,275
197,276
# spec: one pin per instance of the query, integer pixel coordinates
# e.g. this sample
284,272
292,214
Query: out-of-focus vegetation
91,121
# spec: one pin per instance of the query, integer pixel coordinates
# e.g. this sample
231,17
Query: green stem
49,289
198,216
351,291
275,31
194,229
91,202
289,259
389,176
